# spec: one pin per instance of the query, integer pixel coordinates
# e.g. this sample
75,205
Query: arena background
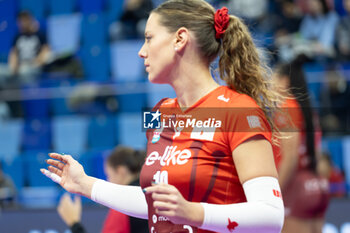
91,97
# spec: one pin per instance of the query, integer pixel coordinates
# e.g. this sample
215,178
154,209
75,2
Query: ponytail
298,88
242,69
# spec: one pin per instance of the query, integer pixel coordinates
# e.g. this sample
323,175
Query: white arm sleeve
263,211
129,200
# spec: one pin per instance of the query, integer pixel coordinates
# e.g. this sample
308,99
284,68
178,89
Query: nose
142,52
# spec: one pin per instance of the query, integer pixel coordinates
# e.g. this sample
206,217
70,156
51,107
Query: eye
148,38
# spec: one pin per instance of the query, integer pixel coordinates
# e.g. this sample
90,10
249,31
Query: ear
182,36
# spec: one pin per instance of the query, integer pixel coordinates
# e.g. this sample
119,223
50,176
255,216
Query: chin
151,79
155,80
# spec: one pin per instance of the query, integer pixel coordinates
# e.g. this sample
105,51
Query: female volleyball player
305,193
194,180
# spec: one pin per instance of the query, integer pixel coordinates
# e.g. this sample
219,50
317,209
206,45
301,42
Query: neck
192,83
130,178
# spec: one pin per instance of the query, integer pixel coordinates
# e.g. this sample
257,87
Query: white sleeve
129,200
263,212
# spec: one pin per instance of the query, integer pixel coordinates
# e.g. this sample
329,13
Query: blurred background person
304,192
315,37
343,34
30,50
318,27
334,98
249,10
121,167
29,53
289,18
132,22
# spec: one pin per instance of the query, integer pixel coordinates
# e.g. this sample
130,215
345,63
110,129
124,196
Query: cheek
161,50
161,64
114,178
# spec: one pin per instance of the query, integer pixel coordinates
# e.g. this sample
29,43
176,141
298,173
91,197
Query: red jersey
116,222
198,161
306,195
291,119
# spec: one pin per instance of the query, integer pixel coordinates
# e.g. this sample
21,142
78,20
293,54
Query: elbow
275,221
279,221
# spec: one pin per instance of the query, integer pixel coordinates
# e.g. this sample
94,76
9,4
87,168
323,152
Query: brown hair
298,88
126,156
25,15
239,62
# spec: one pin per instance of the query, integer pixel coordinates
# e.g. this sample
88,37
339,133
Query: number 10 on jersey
160,177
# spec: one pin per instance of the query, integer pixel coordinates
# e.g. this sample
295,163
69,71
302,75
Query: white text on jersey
170,155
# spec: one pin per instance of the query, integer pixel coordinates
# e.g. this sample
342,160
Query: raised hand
70,210
66,171
169,202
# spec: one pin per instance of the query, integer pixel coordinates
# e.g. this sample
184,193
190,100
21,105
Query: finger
160,205
55,163
161,188
52,176
164,197
165,213
55,170
58,156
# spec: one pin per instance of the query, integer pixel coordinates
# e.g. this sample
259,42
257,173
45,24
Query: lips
147,67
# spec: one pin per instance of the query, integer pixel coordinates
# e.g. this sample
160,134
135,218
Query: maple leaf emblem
231,225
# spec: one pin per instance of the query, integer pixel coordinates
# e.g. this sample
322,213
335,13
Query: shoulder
238,109
168,102
165,102
290,115
290,103
232,98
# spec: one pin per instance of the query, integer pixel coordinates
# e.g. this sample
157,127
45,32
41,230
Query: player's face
158,50
113,174
281,82
25,24
315,7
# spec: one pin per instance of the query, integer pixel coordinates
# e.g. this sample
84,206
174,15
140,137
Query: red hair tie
221,20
